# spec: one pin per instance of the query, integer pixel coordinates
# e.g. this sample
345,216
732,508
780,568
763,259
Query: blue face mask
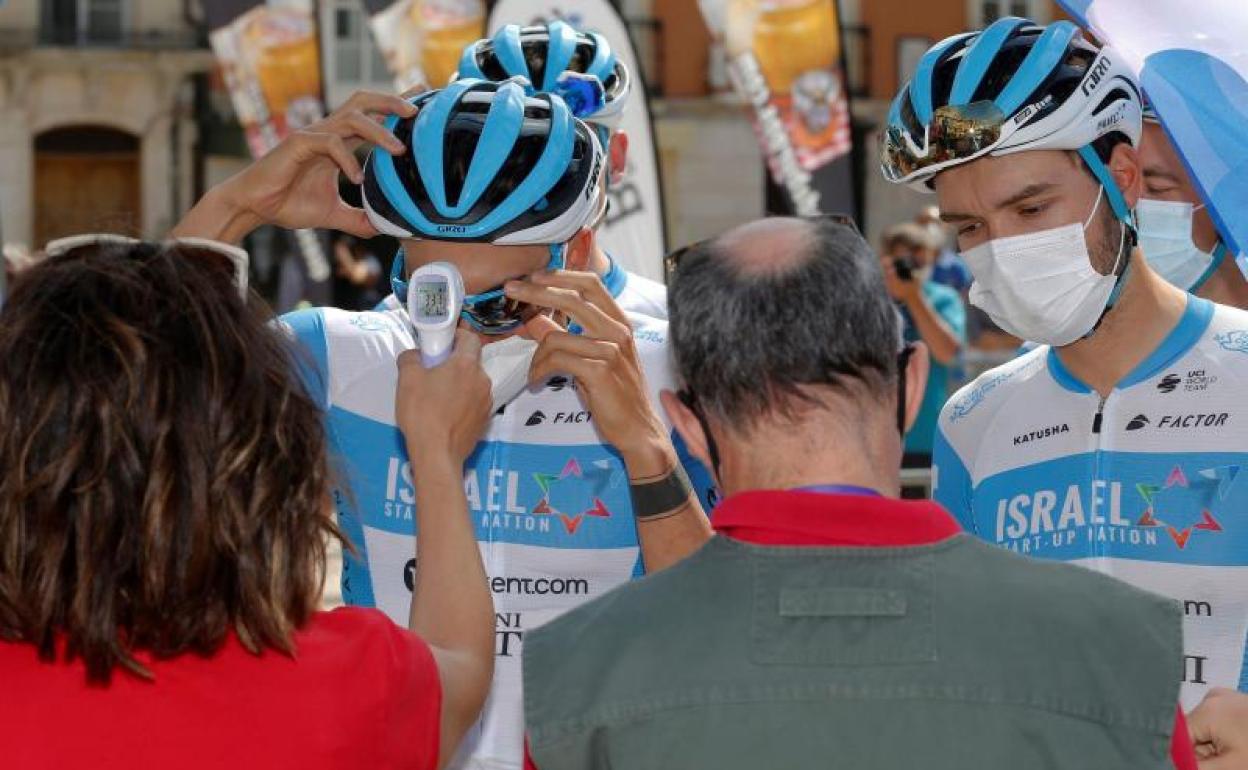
490,312
1166,240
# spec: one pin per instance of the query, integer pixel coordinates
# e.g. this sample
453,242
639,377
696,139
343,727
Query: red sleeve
415,703
528,758
1182,754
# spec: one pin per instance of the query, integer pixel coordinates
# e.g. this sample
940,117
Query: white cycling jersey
548,498
1144,485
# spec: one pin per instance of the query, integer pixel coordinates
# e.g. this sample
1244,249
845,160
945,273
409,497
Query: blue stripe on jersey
312,353
951,484
1186,333
1180,508
1190,328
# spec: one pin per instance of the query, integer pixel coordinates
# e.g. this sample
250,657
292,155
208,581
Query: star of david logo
567,494
1182,505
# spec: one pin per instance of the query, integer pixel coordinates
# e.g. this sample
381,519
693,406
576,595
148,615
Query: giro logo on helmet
1094,77
452,229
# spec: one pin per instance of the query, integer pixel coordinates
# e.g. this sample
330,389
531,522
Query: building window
78,22
985,12
354,57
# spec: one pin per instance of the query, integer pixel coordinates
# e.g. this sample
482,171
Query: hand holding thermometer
435,296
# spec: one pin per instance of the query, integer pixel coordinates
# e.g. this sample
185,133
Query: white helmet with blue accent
487,163
1013,87
579,66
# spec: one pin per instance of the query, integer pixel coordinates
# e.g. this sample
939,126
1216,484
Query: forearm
668,537
940,340
451,605
218,217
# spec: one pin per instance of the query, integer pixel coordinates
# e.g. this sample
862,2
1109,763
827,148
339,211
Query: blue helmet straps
1112,193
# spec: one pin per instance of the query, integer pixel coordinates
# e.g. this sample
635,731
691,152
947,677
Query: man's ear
688,426
917,371
1124,166
580,250
618,156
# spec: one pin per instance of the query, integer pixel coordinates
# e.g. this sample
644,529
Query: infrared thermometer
435,296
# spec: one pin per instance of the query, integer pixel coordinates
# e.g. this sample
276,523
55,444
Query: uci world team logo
575,494
1184,506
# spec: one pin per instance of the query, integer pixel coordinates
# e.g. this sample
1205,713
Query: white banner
634,231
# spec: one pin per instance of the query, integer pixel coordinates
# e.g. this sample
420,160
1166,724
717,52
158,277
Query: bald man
827,622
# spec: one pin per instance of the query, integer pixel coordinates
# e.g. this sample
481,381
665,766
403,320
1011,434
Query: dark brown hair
165,477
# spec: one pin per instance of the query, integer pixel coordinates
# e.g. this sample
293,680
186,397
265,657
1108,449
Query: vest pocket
846,611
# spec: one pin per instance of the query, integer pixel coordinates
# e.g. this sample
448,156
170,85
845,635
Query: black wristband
654,499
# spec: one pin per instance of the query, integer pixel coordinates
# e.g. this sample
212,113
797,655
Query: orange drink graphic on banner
793,37
447,26
281,45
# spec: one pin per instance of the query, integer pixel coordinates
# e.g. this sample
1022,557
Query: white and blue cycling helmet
1012,87
579,66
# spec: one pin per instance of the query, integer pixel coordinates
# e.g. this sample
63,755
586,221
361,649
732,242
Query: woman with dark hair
164,510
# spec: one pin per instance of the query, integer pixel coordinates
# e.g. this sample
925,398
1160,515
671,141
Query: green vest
954,655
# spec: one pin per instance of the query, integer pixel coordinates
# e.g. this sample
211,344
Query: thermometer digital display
435,296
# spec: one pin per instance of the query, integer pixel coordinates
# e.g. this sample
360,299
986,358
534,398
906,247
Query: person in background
1116,443
1177,233
932,313
828,623
583,68
357,274
164,539
948,269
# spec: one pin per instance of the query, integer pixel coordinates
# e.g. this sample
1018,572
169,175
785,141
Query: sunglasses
671,263
956,132
232,259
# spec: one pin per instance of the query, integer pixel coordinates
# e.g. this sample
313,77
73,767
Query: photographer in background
933,313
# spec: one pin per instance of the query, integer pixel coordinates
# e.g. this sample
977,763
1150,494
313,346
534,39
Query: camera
904,267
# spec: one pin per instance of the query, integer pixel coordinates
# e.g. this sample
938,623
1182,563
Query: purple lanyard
839,489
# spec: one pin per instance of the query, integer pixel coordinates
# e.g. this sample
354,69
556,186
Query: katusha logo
1182,506
575,494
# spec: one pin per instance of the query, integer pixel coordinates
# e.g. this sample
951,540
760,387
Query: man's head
500,184
1166,179
581,67
916,245
1027,131
788,347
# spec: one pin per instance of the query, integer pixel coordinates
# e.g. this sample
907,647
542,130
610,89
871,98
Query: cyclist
1176,230
1116,443
582,67
503,185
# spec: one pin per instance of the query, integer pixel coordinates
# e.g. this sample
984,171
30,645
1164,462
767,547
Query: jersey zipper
1096,550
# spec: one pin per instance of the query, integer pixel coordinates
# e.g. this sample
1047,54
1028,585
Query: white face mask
506,363
1042,286
1166,240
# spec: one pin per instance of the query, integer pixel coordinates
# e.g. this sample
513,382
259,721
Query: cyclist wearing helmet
581,67
503,185
1118,442
1176,231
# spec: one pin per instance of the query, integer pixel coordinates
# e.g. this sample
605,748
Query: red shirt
360,692
799,518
